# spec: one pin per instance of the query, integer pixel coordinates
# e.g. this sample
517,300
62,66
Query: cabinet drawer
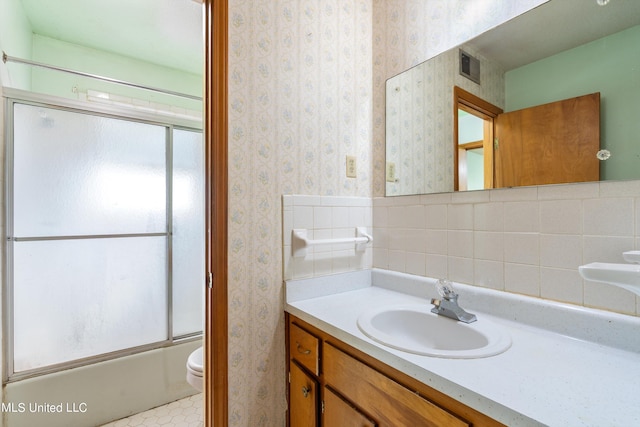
303,397
337,412
304,347
390,403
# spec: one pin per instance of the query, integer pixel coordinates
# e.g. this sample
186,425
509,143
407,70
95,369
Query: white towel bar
300,242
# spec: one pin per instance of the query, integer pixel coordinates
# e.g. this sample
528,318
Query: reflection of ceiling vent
469,67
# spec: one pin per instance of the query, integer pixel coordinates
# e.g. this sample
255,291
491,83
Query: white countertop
545,378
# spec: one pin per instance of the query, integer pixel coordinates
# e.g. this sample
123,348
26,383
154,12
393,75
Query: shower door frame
11,97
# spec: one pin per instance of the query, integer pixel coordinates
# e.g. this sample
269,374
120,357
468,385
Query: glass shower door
88,235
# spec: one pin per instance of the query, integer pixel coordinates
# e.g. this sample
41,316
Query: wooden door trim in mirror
216,158
479,107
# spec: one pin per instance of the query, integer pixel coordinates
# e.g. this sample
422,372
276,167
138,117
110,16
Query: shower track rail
6,58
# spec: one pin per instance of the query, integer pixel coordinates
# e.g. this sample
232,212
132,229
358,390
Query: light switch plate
391,172
351,167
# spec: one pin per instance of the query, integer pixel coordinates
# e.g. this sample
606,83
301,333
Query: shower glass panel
87,297
188,231
105,236
80,174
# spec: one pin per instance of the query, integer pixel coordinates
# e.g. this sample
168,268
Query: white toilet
194,369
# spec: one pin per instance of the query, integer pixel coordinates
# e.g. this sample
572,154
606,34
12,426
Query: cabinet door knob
301,349
305,391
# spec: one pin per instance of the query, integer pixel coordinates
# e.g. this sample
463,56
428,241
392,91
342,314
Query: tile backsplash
325,217
527,240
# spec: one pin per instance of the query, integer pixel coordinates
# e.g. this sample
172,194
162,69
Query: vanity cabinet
333,384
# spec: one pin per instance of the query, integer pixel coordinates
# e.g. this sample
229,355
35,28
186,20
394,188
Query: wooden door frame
475,105
216,382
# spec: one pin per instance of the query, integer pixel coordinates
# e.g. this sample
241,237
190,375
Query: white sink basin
626,276
414,329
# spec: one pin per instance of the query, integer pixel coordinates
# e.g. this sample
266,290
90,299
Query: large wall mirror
552,96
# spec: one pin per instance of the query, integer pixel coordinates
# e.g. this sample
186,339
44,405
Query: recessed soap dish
632,256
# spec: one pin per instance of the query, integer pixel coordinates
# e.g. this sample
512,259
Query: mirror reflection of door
473,141
552,143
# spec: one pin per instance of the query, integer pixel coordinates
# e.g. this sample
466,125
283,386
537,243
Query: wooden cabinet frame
446,403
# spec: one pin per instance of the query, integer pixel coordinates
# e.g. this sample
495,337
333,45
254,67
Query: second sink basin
414,329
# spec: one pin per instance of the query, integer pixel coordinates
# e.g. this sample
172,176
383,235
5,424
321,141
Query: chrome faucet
448,305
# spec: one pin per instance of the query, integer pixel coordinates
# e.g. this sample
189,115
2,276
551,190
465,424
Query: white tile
380,216
561,285
561,217
413,216
361,260
287,201
561,251
522,248
488,245
301,267
522,216
605,248
358,216
518,194
436,217
609,217
460,269
460,243
340,216
488,274
303,217
436,242
569,191
414,240
321,217
415,263
340,261
286,263
395,217
381,237
436,266
460,217
435,199
287,226
396,260
381,258
464,197
522,279
303,200
488,217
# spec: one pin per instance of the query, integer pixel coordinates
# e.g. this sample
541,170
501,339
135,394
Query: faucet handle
445,289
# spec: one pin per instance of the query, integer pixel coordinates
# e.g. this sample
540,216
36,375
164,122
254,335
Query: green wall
15,40
18,40
76,57
610,66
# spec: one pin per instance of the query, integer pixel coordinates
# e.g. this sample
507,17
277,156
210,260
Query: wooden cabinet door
337,412
303,398
553,143
389,402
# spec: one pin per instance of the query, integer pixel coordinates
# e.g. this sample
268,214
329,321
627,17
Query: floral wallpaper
300,102
306,89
